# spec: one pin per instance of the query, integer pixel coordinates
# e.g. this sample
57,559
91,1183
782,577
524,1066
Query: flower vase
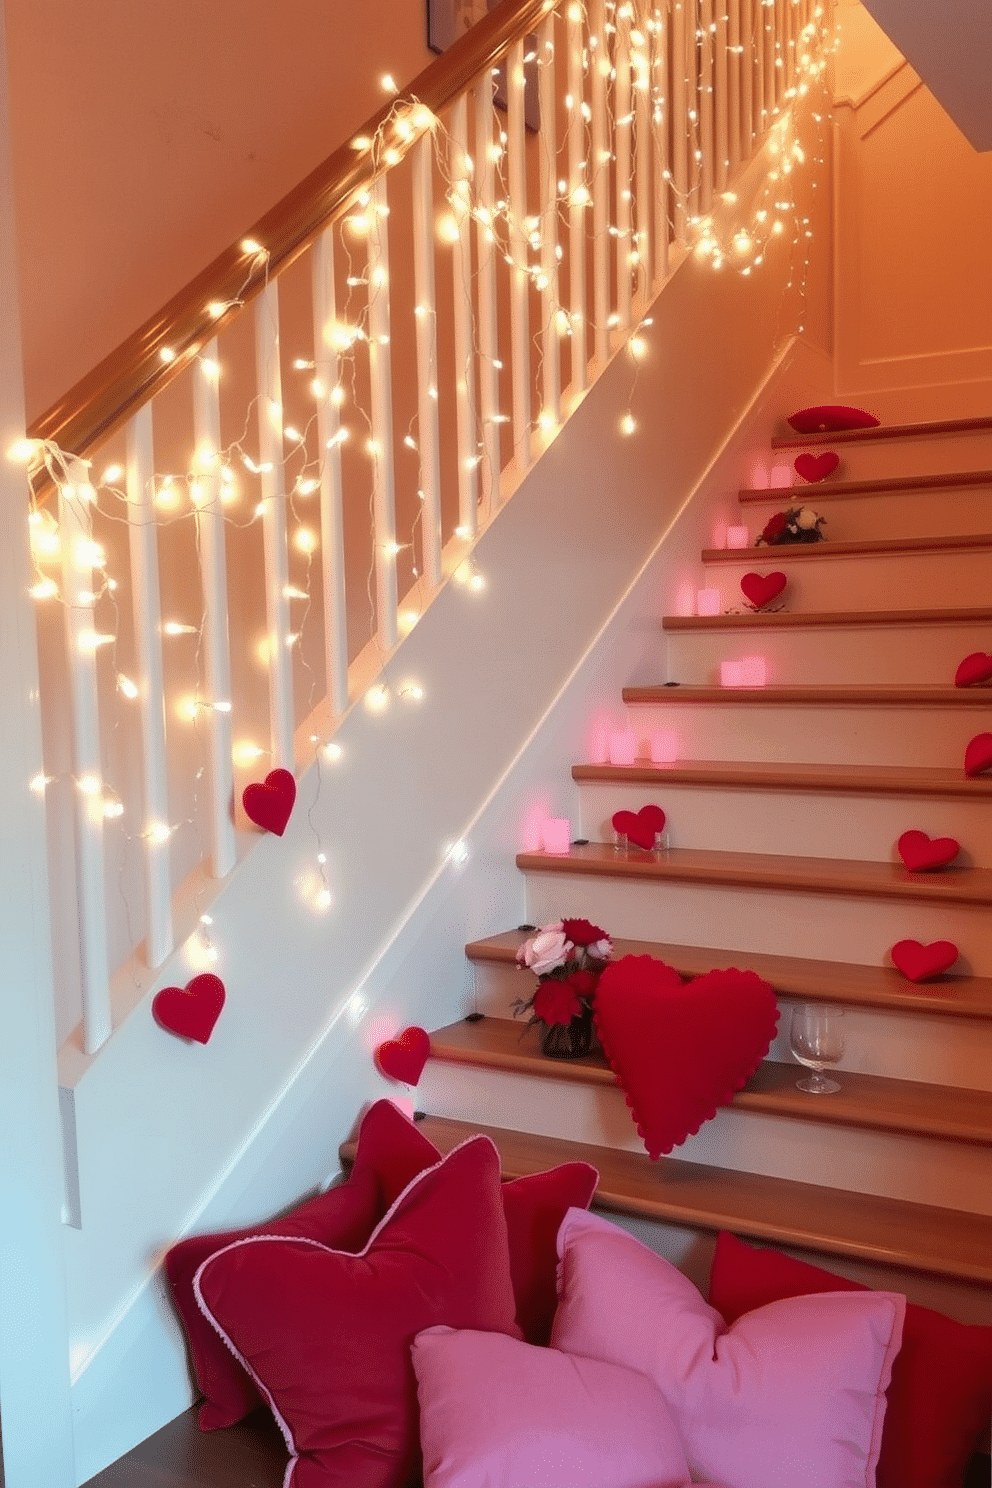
568,1040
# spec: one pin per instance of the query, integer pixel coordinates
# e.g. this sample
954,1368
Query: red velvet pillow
939,1398
831,417
327,1335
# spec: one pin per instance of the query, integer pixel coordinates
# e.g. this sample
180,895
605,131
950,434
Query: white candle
600,745
622,748
738,537
781,476
556,835
731,674
664,749
708,602
753,671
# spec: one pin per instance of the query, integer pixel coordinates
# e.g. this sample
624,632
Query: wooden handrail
103,400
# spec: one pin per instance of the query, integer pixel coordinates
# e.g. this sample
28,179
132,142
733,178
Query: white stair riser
951,1175
897,1045
824,735
832,655
885,582
828,825
822,927
884,458
900,514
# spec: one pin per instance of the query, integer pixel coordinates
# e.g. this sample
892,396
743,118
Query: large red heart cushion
816,467
679,1051
975,669
761,589
978,755
920,852
270,804
918,963
190,1011
640,827
403,1058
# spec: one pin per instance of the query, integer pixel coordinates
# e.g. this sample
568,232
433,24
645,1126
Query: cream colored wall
148,136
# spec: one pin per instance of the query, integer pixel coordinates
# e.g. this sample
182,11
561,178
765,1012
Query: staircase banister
102,401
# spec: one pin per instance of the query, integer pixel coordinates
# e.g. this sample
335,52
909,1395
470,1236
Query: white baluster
682,129
274,537
461,273
381,391
601,173
707,174
745,11
578,189
143,542
734,73
641,59
623,129
519,249
485,239
331,484
550,342
721,99
660,116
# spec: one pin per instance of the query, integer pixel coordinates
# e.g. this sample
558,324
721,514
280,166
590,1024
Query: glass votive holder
622,748
664,748
707,602
556,836
738,537
731,674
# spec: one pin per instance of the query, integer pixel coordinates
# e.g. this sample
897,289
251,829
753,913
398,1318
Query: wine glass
817,1040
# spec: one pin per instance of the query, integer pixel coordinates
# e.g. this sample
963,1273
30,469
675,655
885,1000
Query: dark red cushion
830,417
940,1396
327,1335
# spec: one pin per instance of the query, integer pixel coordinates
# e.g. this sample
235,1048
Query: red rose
582,933
556,1000
774,527
583,982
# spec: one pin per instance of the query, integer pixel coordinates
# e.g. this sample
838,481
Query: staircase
783,819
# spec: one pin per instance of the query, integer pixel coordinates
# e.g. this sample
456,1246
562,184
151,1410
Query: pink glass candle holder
623,748
754,671
664,749
556,835
708,602
781,477
731,674
738,537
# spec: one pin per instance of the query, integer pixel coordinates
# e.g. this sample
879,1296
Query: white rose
546,950
806,519
602,950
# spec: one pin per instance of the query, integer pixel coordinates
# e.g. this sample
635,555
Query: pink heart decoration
920,852
761,589
974,669
919,963
679,1051
640,827
978,755
816,467
403,1058
190,1011
270,804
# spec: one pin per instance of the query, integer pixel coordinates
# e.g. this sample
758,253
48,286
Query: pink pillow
940,1397
326,1335
831,417
495,1412
793,1394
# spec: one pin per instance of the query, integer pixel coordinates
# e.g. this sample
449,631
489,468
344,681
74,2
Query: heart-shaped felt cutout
978,755
918,963
816,467
974,669
920,852
761,589
403,1058
679,1051
190,1011
270,804
640,827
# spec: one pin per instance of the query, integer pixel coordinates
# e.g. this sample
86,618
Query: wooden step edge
883,432
894,485
826,696
851,878
853,780
826,619
793,977
972,542
828,1221
871,1102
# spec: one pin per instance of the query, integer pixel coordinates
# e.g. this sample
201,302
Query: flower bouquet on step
567,959
799,524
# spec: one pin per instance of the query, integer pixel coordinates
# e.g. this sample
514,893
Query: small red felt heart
270,804
403,1058
680,1051
761,589
974,669
978,755
920,852
816,467
190,1011
918,963
640,827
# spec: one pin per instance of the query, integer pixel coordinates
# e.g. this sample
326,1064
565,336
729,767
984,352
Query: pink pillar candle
708,602
738,537
556,835
781,476
731,674
623,748
753,671
664,749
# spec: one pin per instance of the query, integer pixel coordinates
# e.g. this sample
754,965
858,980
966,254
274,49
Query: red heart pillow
978,755
640,827
680,1051
270,804
190,1011
403,1058
831,417
918,963
816,467
974,669
920,852
761,589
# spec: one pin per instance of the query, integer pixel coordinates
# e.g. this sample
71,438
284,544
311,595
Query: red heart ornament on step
403,1058
974,669
978,755
920,852
761,589
640,827
918,963
679,1051
190,1011
816,467
270,804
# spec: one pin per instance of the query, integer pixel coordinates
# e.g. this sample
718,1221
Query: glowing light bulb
388,83
628,424
306,541
126,687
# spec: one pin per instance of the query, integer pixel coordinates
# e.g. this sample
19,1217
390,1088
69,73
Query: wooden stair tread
877,547
879,432
892,485
821,619
879,780
907,1107
831,1221
877,695
803,979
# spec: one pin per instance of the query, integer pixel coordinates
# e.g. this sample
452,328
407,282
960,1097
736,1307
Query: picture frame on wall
448,20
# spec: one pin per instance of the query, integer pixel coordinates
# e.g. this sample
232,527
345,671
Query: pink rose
546,950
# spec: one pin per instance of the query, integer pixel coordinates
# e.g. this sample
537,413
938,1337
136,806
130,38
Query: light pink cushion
495,1413
791,1396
